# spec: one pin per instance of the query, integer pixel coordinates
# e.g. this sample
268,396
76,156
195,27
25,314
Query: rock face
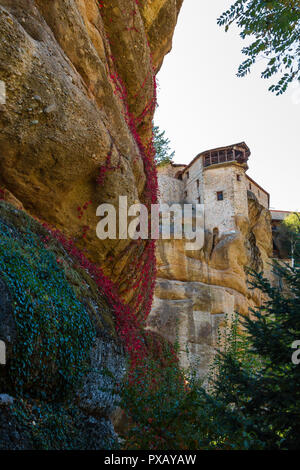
75,132
196,289
27,384
80,83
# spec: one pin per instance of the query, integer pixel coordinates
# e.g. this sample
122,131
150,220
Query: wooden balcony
223,156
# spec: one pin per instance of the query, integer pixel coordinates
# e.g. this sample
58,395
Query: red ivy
141,272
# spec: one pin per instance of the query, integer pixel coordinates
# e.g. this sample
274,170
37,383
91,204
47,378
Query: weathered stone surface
64,112
195,290
96,396
5,399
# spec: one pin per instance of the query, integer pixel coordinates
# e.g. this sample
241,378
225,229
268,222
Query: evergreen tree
254,399
292,225
275,26
257,378
163,154
287,238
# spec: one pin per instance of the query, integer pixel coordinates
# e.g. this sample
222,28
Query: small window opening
187,174
238,177
198,184
199,200
185,194
220,196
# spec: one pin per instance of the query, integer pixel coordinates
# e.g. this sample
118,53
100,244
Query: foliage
293,222
141,262
128,326
168,409
252,401
49,426
163,153
54,331
232,342
288,236
275,25
265,397
157,403
59,426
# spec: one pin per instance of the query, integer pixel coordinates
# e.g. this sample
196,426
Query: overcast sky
203,105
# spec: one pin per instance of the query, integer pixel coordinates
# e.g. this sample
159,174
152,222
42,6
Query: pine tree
164,154
260,379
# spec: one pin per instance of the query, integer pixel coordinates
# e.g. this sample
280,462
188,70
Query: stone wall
221,214
169,169
194,189
170,189
261,195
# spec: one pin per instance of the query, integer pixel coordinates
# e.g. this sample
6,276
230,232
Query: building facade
216,178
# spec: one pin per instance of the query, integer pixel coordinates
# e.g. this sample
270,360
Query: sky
203,105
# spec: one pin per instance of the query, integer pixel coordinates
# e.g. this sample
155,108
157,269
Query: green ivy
49,426
54,331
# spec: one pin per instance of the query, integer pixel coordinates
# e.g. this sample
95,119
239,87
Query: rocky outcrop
63,356
195,290
80,81
75,131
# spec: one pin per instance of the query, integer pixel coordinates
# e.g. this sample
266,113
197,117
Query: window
198,184
207,161
187,175
250,186
229,155
222,156
214,158
185,194
220,196
199,200
238,177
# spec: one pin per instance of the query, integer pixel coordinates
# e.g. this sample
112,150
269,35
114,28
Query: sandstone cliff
75,132
195,290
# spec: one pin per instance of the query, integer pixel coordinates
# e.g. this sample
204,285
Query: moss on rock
60,336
